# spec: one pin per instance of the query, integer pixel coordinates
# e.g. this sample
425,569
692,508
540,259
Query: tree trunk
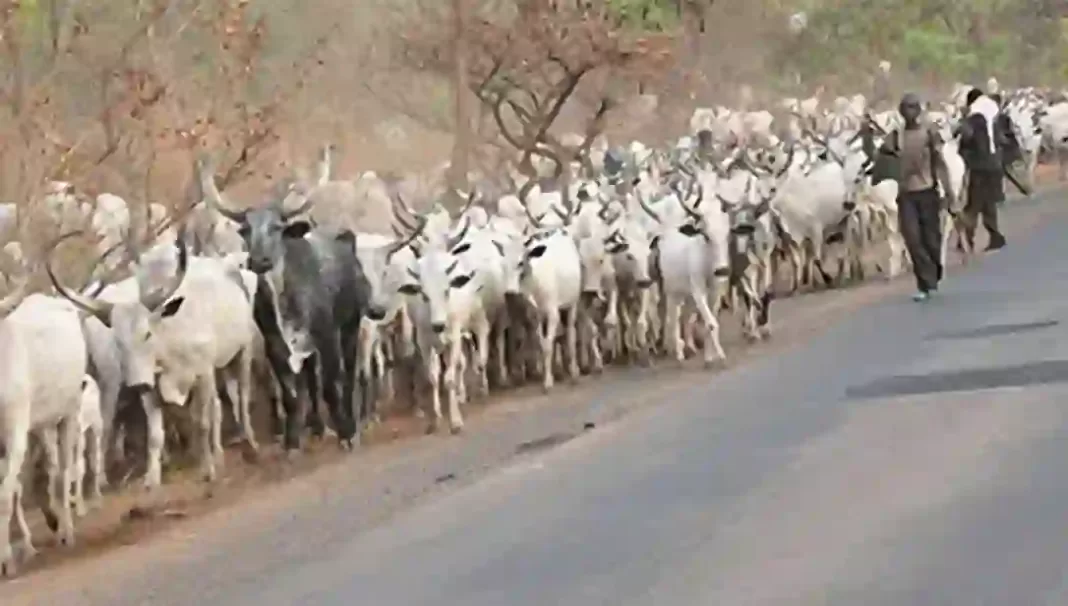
461,146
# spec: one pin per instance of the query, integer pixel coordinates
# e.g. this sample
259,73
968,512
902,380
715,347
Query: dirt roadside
130,540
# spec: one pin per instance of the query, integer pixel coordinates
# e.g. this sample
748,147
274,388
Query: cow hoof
716,363
27,552
292,455
51,521
8,568
456,429
432,427
66,538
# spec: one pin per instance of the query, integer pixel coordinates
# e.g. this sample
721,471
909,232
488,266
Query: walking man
985,179
917,147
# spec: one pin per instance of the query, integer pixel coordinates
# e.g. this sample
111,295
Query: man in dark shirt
982,155
917,151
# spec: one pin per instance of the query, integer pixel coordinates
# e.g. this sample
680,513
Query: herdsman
915,153
980,135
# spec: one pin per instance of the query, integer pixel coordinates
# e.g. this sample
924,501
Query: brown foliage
118,101
525,69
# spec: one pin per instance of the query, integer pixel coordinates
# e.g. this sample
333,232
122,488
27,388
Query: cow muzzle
375,313
438,328
644,284
259,265
849,206
139,389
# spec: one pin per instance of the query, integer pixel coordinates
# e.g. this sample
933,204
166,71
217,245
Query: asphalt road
910,454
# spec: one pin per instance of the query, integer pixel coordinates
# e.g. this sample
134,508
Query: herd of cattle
635,254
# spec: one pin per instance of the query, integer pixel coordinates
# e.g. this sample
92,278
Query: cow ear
296,229
409,289
617,247
689,230
655,242
171,307
536,252
459,250
461,281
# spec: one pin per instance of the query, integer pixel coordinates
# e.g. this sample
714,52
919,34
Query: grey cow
310,298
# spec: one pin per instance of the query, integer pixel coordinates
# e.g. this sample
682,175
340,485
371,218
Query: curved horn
12,300
325,164
209,192
690,211
402,242
153,300
454,240
96,307
645,207
789,160
397,203
470,201
826,145
293,188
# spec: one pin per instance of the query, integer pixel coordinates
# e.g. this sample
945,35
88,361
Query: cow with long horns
310,299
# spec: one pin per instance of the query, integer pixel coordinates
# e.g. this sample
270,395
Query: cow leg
433,374
765,313
331,367
66,442
713,348
368,345
242,385
77,486
592,338
672,337
311,379
501,341
550,325
385,379
95,457
15,443
50,447
641,326
155,439
204,402
571,341
349,367
453,377
26,550
482,346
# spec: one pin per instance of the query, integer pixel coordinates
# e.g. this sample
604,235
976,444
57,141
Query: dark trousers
919,218
985,189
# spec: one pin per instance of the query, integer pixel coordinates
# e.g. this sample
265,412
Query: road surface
909,454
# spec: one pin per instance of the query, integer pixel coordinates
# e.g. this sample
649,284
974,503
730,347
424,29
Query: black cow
310,298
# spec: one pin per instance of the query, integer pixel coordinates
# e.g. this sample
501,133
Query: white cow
694,265
445,305
174,337
550,278
40,391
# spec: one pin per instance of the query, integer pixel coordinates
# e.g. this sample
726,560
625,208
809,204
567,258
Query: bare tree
525,69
